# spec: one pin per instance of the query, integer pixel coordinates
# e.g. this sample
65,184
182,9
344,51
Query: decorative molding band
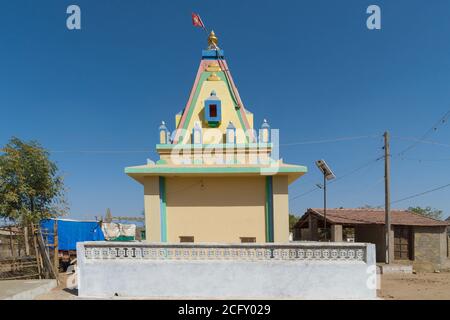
139,251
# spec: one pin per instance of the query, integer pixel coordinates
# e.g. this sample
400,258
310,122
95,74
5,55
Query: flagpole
204,28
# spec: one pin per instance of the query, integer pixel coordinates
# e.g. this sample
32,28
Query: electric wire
419,194
104,151
440,122
365,165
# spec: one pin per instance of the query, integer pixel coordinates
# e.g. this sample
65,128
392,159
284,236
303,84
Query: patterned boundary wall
297,270
306,252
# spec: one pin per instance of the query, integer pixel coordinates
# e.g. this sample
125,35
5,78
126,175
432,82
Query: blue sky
312,68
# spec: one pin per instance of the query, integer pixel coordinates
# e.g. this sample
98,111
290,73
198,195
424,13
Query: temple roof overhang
293,172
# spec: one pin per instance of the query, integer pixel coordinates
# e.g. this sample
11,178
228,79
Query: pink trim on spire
201,68
238,97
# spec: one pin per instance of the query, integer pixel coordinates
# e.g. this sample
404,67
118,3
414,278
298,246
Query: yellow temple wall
280,209
216,209
152,209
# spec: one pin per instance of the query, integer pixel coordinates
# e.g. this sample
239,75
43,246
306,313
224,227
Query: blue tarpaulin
72,231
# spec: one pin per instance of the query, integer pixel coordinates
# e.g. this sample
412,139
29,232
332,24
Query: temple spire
213,41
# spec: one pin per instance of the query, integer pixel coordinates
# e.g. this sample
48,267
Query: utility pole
325,206
387,194
327,175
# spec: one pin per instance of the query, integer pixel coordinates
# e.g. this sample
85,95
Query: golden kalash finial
213,41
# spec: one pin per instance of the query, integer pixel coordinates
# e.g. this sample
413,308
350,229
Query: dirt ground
60,292
420,286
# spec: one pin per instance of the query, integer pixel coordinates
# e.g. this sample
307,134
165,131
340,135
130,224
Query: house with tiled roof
417,240
448,229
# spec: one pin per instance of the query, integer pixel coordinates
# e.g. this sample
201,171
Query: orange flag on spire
197,21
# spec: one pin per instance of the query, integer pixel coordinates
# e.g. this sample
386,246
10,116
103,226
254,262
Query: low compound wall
296,270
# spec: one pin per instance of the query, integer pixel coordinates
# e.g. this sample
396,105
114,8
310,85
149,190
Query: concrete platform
25,289
394,268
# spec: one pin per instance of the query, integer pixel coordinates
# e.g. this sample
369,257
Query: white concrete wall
227,278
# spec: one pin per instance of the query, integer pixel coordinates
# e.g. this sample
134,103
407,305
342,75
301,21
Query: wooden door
402,243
